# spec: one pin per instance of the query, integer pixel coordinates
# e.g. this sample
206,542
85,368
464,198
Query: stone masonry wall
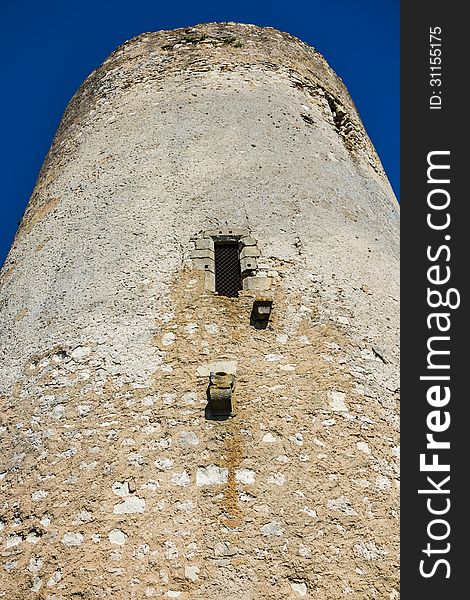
113,484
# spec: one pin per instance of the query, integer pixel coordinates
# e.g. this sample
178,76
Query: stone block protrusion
203,253
261,312
204,264
262,308
204,244
249,251
249,263
225,231
245,241
219,394
209,279
257,283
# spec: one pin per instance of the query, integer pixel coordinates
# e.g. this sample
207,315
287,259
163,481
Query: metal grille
228,278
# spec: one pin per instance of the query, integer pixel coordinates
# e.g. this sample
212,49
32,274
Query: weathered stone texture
113,483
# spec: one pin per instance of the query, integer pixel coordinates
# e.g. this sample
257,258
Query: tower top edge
232,42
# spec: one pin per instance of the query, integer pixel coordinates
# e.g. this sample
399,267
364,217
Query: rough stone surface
113,484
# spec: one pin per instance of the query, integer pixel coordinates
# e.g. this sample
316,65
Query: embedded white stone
32,538
131,504
10,565
246,476
211,475
289,367
54,580
168,339
169,399
121,488
191,327
141,551
186,506
37,583
152,486
163,464
212,328
80,352
72,539
272,528
83,409
308,511
188,438
219,366
39,495
299,588
83,517
171,550
191,550
58,411
383,483
182,479
225,549
35,564
304,551
45,521
368,550
363,446
189,398
135,459
13,540
191,573
337,401
88,466
273,357
298,439
268,438
173,594
277,479
116,536
342,504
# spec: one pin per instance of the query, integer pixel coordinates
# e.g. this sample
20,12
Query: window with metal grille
228,277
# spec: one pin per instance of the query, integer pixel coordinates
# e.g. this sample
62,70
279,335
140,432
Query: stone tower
198,328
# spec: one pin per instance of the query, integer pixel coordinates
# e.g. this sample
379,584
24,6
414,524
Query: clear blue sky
50,46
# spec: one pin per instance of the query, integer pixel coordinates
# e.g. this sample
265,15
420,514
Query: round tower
199,336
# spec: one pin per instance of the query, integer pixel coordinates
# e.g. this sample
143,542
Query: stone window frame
203,257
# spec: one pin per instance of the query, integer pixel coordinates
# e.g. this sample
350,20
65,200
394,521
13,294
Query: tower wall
114,484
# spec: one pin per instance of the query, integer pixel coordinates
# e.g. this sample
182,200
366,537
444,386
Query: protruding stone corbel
261,312
219,395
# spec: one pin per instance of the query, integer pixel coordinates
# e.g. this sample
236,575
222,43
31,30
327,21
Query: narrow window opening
228,277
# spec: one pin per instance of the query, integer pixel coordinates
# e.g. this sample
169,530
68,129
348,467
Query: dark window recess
228,277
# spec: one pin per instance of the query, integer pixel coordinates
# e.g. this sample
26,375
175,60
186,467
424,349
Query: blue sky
50,46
